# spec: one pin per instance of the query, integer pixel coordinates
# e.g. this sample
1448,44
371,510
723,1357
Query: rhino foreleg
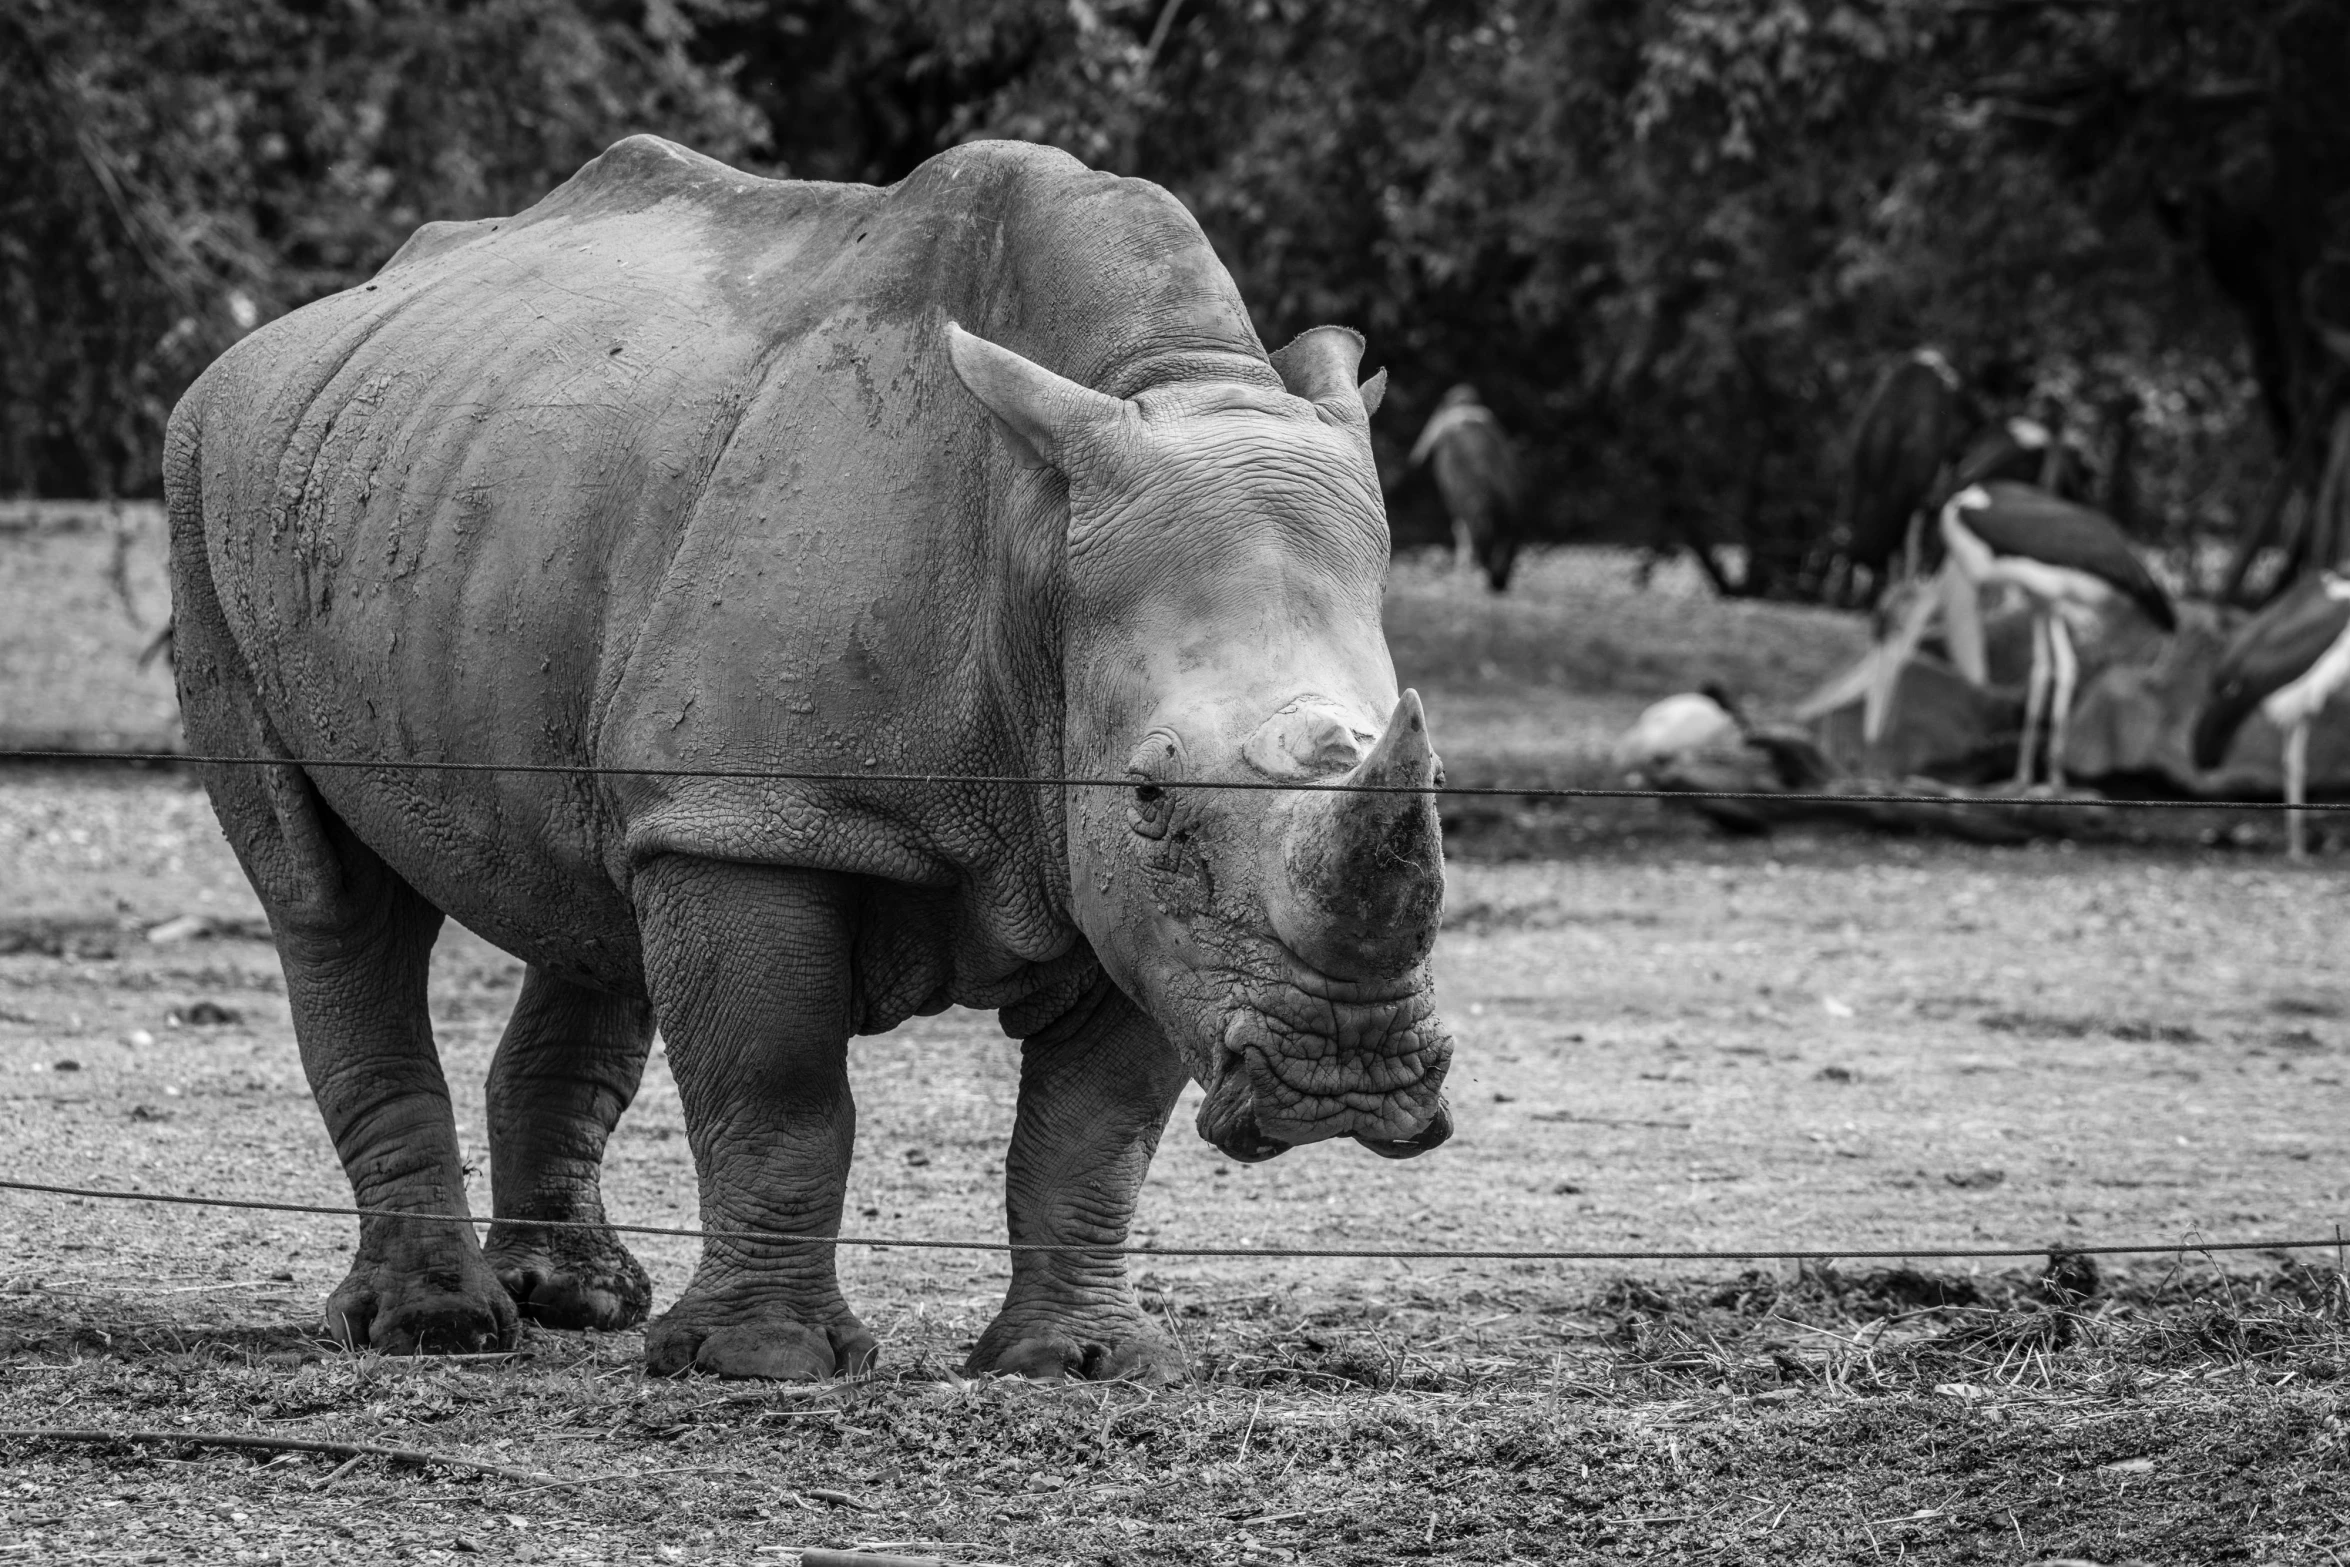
567,1067
749,968
1096,1088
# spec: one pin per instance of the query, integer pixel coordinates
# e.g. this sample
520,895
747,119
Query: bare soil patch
1819,1041
1667,1040
82,596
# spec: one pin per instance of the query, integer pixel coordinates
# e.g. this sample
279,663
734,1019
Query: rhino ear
1319,365
1042,414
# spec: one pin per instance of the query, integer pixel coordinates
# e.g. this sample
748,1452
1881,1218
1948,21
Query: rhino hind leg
355,962
568,1065
358,996
750,972
355,941
1096,1088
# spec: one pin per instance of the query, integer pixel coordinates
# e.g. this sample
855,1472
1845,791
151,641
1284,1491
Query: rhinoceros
794,545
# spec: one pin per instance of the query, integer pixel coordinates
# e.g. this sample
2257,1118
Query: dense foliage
1672,241
173,174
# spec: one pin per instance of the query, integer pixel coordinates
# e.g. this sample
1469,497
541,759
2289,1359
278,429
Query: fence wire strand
1368,1253
993,780
1230,785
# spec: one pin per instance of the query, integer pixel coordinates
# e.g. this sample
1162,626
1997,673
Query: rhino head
1226,547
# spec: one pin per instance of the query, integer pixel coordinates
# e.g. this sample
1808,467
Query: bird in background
1477,475
2020,450
1901,446
2069,562
2286,663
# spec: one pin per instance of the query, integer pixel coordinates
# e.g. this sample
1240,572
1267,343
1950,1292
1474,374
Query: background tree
173,174
1673,242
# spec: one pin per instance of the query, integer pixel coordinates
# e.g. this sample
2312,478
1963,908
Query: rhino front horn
1361,888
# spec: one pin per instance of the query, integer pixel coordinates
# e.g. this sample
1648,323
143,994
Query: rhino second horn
1319,365
1361,888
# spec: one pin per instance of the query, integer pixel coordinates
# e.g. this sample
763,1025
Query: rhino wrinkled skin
983,474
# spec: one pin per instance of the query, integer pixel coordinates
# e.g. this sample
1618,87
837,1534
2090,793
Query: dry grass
2022,1044
1821,1416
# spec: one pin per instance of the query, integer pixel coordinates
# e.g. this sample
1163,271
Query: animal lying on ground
2287,664
686,469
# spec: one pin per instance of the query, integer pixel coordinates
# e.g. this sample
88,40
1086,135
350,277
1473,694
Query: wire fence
2335,1242
1855,800
1858,800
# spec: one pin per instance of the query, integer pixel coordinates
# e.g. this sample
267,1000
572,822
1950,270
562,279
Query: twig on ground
268,1444
1607,1120
341,1469
1167,1310
820,1556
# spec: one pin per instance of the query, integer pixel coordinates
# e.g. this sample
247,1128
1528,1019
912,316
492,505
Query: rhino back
671,470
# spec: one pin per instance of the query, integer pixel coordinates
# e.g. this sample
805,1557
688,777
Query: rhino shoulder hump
992,156
633,173
438,239
641,170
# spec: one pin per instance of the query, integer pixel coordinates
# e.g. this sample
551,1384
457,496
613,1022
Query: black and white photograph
1175,783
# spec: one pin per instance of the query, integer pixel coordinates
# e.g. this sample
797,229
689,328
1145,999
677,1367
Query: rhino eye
1150,811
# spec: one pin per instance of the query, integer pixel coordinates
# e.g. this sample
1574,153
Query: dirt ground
82,595
1667,1040
1817,1041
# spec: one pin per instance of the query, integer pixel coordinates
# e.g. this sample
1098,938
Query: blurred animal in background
2286,663
1477,474
2072,565
1901,448
2021,450
1704,741
1684,722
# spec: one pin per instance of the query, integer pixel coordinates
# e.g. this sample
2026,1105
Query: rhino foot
395,1311
1111,1347
771,1346
570,1278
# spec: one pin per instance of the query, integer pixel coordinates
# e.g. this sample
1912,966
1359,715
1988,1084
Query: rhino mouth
1435,1134
1228,1118
1300,1065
